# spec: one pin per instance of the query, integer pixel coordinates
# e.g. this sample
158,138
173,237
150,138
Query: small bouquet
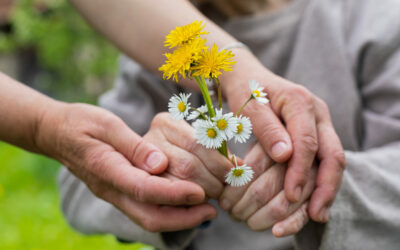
193,59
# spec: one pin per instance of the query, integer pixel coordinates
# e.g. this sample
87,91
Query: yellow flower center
239,128
181,106
222,124
256,92
237,172
211,133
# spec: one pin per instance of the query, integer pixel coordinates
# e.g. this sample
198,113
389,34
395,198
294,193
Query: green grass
30,216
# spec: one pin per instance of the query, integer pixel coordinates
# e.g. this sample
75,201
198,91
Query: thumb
139,152
148,157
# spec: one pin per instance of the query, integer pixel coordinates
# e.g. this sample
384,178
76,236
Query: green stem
219,93
244,105
224,149
207,99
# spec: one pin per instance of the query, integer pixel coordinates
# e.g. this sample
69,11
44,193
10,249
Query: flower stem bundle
191,58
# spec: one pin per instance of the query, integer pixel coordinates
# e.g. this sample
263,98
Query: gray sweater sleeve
366,213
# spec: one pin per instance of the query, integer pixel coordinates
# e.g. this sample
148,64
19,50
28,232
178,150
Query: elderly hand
262,203
118,166
188,160
306,133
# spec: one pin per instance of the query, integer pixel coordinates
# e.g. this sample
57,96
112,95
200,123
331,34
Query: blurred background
48,46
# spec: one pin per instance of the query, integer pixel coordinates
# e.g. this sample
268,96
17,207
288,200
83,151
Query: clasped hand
261,204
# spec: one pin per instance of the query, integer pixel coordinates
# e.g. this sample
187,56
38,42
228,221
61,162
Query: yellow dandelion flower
213,61
181,60
184,34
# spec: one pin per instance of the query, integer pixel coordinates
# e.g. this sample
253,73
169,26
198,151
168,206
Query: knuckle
136,148
302,93
160,119
280,210
138,194
322,105
300,174
190,144
340,158
109,121
185,168
259,195
310,143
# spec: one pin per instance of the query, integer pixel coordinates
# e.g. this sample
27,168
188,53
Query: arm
21,111
99,148
138,28
123,24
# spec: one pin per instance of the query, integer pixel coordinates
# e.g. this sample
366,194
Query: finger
181,134
259,162
269,131
155,218
188,167
114,169
279,208
267,127
262,190
332,165
140,153
298,113
292,224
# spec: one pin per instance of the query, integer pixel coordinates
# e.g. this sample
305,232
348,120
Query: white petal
253,84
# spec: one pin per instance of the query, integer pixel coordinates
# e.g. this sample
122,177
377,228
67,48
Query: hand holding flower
193,59
188,160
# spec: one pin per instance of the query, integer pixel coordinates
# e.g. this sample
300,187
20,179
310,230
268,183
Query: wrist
247,67
47,123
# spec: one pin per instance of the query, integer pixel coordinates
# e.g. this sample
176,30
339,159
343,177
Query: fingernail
279,148
297,193
324,214
154,160
225,204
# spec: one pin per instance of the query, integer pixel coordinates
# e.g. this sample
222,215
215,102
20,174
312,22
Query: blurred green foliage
30,217
80,63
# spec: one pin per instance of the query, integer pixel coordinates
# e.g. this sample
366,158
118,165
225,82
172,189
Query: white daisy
195,114
178,106
207,134
239,175
225,123
243,131
257,92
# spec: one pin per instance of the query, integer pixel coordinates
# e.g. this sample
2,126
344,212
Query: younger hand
115,163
